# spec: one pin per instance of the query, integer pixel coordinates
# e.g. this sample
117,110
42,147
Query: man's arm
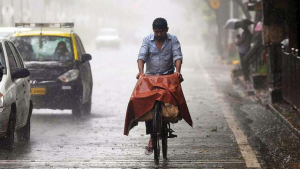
177,57
143,55
141,68
178,64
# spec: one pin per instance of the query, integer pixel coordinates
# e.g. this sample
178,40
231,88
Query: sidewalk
288,115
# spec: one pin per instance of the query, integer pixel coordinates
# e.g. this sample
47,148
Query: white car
6,31
108,37
15,102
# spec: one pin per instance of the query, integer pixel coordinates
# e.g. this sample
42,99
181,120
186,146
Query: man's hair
160,23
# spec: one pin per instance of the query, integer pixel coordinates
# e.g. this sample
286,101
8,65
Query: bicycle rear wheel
156,131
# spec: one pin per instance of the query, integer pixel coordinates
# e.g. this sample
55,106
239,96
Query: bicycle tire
164,140
155,134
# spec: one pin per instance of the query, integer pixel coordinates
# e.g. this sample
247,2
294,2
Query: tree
222,15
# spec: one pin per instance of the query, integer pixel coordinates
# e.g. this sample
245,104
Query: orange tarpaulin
165,88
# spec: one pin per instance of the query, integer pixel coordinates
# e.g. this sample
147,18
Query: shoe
148,150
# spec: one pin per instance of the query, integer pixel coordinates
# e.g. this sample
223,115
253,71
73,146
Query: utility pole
233,14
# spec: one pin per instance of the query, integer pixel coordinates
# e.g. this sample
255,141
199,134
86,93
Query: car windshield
44,48
2,60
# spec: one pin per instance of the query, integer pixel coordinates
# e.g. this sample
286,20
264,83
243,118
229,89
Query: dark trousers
245,67
149,127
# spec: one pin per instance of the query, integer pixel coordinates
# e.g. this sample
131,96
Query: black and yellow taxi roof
48,29
43,33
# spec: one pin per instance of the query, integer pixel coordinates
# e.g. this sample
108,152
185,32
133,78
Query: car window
11,59
44,48
15,52
18,55
80,44
2,59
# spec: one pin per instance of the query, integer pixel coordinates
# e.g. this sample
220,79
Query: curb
279,116
282,119
274,111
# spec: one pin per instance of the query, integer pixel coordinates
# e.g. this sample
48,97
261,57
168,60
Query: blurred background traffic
131,19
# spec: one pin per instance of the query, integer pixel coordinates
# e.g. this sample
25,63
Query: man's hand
179,76
139,75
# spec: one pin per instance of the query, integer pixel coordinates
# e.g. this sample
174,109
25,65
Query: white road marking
120,162
245,148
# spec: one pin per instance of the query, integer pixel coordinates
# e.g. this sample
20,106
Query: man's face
60,49
160,34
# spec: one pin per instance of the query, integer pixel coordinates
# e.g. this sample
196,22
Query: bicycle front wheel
156,131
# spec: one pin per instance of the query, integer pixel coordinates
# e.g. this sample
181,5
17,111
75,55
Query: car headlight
69,76
1,100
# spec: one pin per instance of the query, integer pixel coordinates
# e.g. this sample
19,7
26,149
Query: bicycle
169,107
161,131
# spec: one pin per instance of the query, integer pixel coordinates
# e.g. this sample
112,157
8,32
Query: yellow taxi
60,70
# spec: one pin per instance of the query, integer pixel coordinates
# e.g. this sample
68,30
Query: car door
25,98
85,71
17,85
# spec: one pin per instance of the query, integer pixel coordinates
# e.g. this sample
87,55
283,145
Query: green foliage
208,13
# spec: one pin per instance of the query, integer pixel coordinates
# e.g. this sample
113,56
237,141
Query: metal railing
258,59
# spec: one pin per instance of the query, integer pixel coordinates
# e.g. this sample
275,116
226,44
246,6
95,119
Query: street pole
1,19
233,14
21,11
13,16
231,38
44,12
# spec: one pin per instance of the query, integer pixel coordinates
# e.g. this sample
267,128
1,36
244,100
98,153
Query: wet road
97,141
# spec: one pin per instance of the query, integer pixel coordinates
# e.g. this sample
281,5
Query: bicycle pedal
170,130
172,135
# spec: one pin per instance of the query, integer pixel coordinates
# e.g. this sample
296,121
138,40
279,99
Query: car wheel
24,132
88,107
9,139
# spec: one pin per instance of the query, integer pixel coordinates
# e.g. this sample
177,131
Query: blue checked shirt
160,62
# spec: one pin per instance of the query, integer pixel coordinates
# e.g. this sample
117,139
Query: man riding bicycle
160,51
